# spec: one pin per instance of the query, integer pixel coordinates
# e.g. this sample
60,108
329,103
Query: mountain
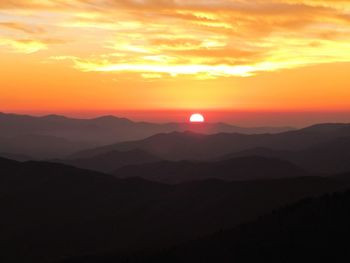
40,146
88,133
111,161
329,157
312,230
238,169
16,157
193,146
52,211
108,129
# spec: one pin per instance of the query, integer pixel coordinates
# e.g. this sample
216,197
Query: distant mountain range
52,211
35,146
55,136
237,169
138,163
111,161
328,157
193,146
177,157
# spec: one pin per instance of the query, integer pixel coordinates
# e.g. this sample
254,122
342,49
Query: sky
154,59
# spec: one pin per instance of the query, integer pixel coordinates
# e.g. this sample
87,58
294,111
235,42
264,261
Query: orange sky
224,55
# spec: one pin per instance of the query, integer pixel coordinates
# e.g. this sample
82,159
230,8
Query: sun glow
196,117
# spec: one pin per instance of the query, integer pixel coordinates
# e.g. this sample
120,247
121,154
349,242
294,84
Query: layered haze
136,131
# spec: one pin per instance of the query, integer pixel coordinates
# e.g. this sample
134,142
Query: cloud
22,27
185,37
23,46
28,46
153,69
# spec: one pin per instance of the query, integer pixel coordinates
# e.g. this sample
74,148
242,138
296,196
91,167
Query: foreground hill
237,169
52,211
312,230
17,157
193,146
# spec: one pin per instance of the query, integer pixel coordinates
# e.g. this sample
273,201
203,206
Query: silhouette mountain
111,161
41,146
238,169
312,230
16,157
53,211
329,157
193,146
95,132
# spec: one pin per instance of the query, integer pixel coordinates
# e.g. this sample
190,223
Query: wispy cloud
22,27
212,38
28,46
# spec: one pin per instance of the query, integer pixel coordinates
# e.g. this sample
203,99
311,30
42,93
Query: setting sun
196,117
228,54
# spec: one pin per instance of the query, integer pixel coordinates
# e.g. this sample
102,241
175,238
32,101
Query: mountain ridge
237,169
64,211
195,146
96,131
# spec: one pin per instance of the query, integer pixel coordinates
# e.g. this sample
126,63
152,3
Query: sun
196,117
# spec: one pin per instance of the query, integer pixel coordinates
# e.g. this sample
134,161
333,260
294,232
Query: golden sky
253,55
